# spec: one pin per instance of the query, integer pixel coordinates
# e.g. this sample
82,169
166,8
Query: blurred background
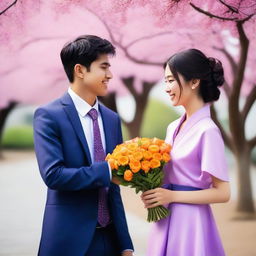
145,34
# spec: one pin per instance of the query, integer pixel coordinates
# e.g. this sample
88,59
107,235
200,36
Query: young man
84,214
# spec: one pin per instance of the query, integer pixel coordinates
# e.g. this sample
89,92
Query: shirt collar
81,105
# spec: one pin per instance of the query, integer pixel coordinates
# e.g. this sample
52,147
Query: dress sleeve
212,154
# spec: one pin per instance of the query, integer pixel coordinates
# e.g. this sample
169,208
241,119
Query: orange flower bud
108,157
124,151
113,164
117,155
123,160
145,142
157,156
156,141
154,163
147,155
137,156
145,166
166,157
165,148
128,175
132,146
135,165
153,148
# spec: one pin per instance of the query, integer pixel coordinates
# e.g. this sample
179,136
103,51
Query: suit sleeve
50,159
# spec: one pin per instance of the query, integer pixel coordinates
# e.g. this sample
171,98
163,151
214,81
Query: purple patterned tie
99,155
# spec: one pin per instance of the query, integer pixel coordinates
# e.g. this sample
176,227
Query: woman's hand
156,197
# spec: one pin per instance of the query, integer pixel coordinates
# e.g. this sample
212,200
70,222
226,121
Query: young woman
197,174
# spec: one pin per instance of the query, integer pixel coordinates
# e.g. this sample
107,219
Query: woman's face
177,96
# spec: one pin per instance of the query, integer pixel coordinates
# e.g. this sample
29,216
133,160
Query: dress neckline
195,117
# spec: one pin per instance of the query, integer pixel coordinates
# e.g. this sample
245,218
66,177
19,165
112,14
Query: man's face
96,80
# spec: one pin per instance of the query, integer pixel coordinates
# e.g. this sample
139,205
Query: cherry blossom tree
34,74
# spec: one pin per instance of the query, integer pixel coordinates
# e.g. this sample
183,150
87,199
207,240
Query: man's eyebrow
105,64
169,76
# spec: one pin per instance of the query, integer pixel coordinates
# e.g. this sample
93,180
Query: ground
22,197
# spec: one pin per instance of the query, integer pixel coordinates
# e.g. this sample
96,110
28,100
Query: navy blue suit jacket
73,182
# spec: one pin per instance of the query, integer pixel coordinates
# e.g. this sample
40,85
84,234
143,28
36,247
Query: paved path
22,198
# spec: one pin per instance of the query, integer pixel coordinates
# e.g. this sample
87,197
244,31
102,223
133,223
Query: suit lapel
72,114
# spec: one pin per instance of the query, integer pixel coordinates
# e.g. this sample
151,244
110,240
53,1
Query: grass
19,137
156,118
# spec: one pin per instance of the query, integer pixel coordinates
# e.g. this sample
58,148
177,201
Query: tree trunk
141,100
245,199
3,116
135,126
109,101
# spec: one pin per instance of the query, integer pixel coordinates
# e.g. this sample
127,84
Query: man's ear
195,83
79,71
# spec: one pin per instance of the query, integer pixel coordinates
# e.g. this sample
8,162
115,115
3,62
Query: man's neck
85,95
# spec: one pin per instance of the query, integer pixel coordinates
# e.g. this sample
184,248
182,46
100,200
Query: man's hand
116,181
127,253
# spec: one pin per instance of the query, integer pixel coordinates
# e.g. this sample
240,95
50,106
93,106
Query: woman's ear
195,83
79,71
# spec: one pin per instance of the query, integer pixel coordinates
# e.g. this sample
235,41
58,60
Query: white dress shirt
82,108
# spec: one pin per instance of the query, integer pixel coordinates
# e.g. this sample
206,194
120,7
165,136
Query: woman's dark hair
193,64
84,50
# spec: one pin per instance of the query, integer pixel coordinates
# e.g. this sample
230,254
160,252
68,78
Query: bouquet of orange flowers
138,163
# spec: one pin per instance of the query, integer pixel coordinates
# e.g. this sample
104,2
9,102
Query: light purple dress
197,153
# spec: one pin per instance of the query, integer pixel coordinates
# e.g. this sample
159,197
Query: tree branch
231,8
37,39
147,37
227,89
123,48
212,15
247,18
244,44
230,58
226,137
248,103
7,8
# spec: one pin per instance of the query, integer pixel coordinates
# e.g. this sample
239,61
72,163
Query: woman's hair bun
216,71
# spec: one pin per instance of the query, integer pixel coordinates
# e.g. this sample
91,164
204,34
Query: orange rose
137,156
157,156
166,157
128,175
117,155
123,160
145,143
132,146
156,141
108,157
147,155
153,148
113,164
145,166
165,148
154,163
124,151
135,165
